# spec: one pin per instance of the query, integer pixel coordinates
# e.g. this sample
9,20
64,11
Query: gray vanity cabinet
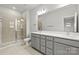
49,45
43,44
32,41
65,47
60,49
49,51
35,41
43,49
73,50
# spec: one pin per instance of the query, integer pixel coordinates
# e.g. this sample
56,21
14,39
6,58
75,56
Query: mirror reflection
63,18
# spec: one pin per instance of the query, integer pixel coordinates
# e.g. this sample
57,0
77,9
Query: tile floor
18,50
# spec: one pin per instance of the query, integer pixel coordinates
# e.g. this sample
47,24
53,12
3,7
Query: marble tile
18,50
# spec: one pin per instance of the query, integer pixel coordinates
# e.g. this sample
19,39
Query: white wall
53,21
33,21
27,18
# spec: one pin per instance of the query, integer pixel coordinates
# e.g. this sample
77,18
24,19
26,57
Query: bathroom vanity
55,43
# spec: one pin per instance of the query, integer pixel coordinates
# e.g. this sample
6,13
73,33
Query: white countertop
71,35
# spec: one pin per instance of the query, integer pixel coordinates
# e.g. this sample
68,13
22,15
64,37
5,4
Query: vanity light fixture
43,11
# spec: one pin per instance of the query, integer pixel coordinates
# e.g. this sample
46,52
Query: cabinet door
73,51
49,44
37,43
60,49
49,51
43,49
33,41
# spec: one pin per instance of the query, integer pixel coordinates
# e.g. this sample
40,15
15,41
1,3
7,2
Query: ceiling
23,7
45,8
20,7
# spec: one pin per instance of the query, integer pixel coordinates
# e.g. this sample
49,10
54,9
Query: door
0,31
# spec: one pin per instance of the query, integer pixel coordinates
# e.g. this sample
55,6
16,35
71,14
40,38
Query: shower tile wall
8,24
8,34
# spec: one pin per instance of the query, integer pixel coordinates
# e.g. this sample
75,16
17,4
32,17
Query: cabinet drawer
42,42
43,36
43,49
49,44
49,51
49,38
67,41
35,35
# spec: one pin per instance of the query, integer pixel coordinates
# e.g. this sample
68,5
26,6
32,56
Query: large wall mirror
60,19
